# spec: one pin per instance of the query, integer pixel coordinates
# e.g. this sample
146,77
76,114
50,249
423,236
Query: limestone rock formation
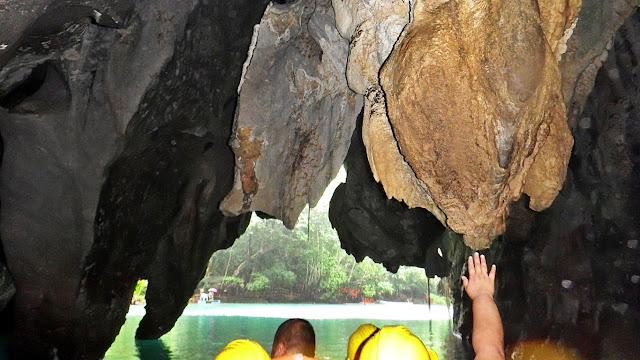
115,126
386,230
592,227
295,112
372,28
7,287
116,116
472,118
587,49
572,272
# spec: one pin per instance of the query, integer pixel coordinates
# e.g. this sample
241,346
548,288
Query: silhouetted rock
386,230
115,126
7,287
116,118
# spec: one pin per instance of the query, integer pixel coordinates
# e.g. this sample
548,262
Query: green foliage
412,282
140,292
308,262
279,277
232,280
439,299
259,283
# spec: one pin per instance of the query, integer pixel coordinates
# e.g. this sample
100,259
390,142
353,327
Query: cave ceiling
139,135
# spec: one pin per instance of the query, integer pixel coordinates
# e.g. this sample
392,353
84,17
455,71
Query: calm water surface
203,330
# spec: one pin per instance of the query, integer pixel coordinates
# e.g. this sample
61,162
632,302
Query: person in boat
487,334
243,349
389,342
369,342
295,339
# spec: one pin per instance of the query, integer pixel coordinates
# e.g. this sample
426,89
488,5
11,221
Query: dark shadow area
28,87
386,230
153,350
45,90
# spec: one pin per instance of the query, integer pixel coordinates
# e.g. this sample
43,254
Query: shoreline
389,311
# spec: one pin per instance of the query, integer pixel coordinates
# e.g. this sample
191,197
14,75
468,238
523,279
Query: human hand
479,281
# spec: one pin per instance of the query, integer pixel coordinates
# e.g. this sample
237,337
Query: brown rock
558,20
471,115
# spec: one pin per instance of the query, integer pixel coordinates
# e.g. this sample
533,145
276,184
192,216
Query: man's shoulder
294,357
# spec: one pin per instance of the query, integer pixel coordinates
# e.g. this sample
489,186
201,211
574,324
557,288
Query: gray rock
295,112
115,117
7,287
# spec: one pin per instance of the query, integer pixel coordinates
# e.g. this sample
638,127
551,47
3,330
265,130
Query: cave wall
569,273
293,79
116,119
581,263
388,231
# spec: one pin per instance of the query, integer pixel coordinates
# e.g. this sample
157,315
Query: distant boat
207,298
384,302
212,302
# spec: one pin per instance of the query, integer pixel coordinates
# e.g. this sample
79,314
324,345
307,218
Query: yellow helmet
243,349
542,349
362,333
396,342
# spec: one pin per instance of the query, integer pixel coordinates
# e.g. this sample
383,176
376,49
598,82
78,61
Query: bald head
294,336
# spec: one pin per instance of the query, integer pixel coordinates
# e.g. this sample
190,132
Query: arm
487,334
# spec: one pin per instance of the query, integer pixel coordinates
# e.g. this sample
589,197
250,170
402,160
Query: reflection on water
4,347
152,349
203,331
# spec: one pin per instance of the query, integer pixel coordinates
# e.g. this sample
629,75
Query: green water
202,331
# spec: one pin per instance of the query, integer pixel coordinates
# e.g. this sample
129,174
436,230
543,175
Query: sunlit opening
272,273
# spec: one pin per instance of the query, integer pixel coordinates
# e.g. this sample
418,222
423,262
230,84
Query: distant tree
140,292
308,262
259,283
412,282
280,277
372,278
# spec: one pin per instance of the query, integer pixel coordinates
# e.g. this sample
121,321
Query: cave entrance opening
272,273
272,264
140,292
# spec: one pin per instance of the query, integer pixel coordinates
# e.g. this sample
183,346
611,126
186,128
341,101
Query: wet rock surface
488,120
7,287
570,273
588,250
295,112
115,161
116,119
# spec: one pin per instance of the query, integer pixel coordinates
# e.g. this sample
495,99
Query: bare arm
487,334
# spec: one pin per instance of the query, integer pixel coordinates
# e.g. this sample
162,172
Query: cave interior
138,136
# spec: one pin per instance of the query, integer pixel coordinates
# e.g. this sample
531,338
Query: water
203,330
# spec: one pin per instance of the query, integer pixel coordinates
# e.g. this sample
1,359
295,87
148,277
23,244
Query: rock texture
295,112
116,118
471,118
571,273
115,126
386,230
7,287
587,49
589,252
372,28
